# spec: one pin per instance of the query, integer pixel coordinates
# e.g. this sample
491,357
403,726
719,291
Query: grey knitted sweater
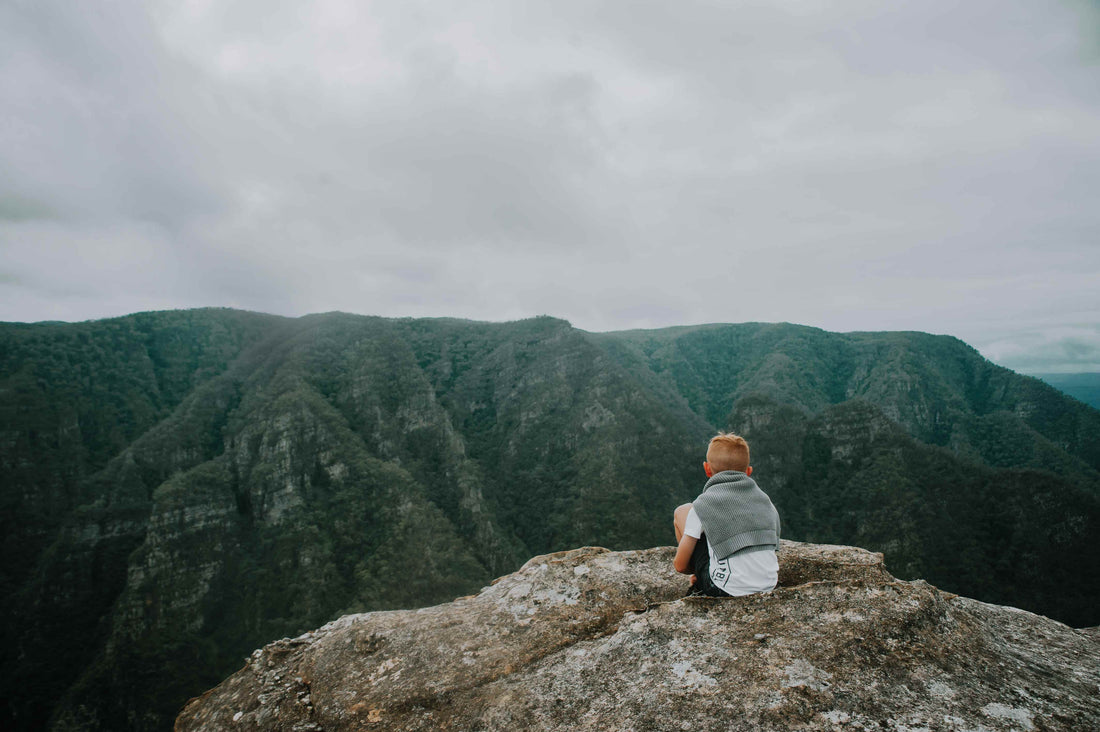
736,515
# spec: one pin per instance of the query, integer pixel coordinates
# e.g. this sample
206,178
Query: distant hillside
1082,387
182,487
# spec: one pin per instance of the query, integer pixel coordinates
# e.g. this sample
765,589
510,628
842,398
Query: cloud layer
620,165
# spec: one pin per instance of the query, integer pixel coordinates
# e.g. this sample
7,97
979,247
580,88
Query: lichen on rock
594,639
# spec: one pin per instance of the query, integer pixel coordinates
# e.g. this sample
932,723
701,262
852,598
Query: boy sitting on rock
728,537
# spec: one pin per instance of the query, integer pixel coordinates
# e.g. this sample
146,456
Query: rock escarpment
593,639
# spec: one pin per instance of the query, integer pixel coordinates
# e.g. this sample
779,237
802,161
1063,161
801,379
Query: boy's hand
692,579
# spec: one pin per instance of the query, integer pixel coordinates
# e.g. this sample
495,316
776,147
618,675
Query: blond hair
728,452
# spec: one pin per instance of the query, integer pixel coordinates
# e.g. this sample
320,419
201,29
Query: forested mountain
181,487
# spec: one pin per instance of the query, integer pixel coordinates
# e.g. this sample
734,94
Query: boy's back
728,537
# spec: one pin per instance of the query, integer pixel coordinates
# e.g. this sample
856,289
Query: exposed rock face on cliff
181,487
593,639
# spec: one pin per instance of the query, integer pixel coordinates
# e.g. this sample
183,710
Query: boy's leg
700,564
679,520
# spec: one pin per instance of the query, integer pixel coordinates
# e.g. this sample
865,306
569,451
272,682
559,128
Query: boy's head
727,452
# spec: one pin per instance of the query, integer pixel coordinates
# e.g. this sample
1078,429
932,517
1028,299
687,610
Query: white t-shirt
741,574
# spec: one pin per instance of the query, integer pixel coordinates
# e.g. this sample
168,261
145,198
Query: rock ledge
593,639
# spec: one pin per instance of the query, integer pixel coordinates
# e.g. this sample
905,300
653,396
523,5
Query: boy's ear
708,470
748,470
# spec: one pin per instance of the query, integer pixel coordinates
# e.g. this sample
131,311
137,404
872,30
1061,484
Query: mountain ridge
251,476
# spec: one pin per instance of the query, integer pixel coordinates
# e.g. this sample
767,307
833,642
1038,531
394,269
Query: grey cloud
462,166
1059,349
93,129
929,166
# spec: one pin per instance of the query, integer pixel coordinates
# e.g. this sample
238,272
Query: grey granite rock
594,640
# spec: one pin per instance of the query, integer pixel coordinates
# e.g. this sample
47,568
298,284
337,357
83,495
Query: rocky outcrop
594,639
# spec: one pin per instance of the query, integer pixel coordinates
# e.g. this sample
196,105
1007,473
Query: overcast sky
850,165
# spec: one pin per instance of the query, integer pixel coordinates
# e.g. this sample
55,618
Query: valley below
181,488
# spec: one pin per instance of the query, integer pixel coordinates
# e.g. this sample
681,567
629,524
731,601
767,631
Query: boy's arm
684,550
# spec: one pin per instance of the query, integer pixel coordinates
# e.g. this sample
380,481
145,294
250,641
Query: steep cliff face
288,489
592,639
851,474
179,488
